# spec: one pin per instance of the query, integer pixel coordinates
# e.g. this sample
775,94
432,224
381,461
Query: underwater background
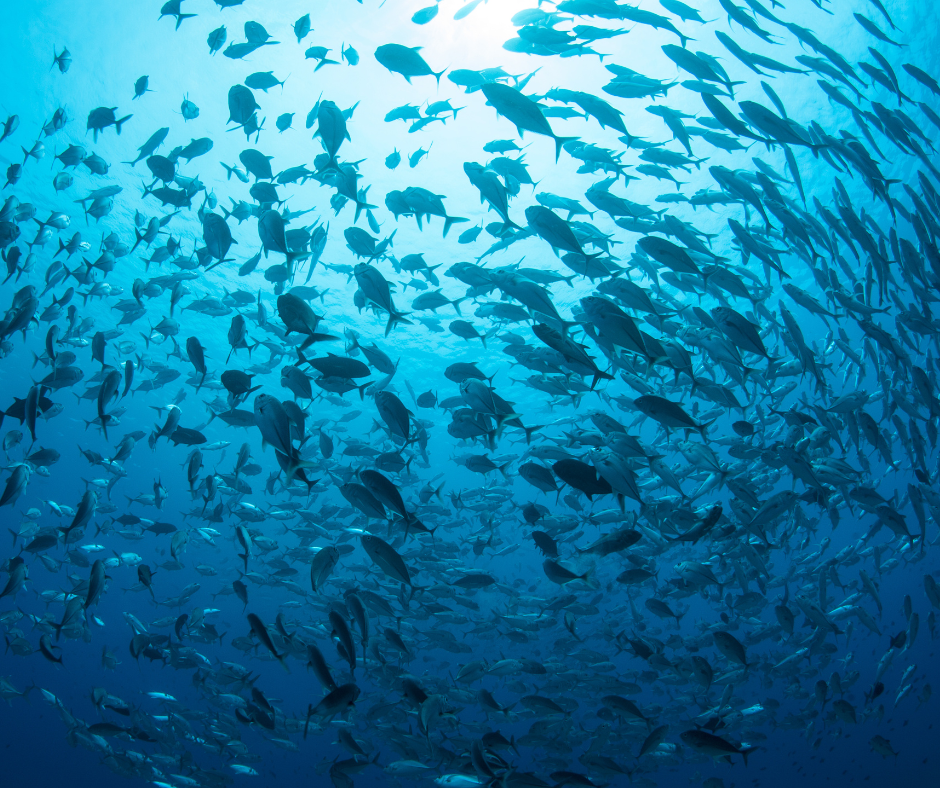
815,491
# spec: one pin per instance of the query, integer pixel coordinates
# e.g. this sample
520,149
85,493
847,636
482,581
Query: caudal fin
395,318
559,141
449,220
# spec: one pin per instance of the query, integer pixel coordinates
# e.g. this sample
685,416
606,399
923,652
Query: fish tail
600,375
702,429
588,578
395,318
559,142
451,220
307,723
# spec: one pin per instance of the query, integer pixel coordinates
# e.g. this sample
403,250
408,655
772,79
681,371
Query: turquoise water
844,417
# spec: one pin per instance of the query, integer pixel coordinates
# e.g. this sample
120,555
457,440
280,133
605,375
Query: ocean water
812,213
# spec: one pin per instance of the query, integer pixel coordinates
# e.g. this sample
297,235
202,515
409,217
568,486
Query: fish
712,745
524,113
261,631
406,61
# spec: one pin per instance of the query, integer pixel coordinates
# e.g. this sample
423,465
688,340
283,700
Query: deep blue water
875,251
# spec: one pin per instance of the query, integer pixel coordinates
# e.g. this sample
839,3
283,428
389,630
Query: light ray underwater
500,393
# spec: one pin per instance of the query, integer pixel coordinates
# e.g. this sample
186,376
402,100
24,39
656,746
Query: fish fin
450,220
559,142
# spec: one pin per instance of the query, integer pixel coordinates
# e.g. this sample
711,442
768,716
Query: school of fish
549,489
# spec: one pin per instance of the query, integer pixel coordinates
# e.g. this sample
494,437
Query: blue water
479,520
